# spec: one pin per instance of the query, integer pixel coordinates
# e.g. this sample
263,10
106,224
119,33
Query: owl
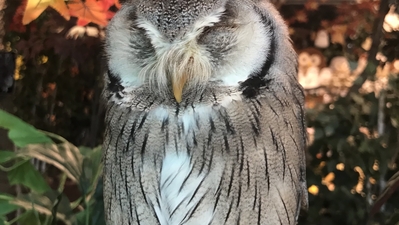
204,115
311,67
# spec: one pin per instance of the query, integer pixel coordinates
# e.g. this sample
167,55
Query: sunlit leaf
64,156
36,7
43,204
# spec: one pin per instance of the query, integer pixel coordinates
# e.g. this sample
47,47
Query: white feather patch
175,193
158,41
249,54
120,58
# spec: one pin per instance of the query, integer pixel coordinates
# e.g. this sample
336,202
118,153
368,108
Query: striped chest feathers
182,188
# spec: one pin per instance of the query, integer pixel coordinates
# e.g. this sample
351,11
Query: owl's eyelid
219,25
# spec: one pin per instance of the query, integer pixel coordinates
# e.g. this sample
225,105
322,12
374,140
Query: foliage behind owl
205,118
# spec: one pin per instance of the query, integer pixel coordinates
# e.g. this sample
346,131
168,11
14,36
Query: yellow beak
178,85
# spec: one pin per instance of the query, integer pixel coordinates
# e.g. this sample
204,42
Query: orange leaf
88,11
117,4
106,4
36,7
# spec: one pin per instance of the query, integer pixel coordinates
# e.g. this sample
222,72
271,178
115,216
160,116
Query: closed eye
140,44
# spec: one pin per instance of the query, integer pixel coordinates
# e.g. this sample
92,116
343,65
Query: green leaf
6,208
6,156
21,133
27,175
2,220
91,169
64,156
30,217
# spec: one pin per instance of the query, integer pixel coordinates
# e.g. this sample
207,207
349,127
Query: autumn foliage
89,11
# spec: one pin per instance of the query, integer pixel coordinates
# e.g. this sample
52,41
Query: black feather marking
180,129
188,149
167,135
117,139
279,100
211,159
214,96
137,215
279,218
288,124
266,170
255,129
153,210
196,190
283,153
239,192
203,159
178,205
285,207
218,191
212,124
142,121
209,138
227,121
256,195
128,197
114,84
165,123
259,103
260,209
133,130
176,145
120,136
201,97
195,208
185,179
229,211
132,163
248,176
226,143
241,159
195,143
231,181
143,146
255,141
141,188
274,139
256,108
251,87
238,218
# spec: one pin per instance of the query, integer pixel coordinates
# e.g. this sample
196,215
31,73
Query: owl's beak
178,85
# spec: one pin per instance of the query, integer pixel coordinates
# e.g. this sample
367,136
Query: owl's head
172,46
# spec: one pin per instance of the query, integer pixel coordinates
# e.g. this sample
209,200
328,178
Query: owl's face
310,59
172,48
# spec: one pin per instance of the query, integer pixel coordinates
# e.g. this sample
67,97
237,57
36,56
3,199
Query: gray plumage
205,117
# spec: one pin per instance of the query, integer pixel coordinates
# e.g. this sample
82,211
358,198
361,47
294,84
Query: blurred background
50,82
